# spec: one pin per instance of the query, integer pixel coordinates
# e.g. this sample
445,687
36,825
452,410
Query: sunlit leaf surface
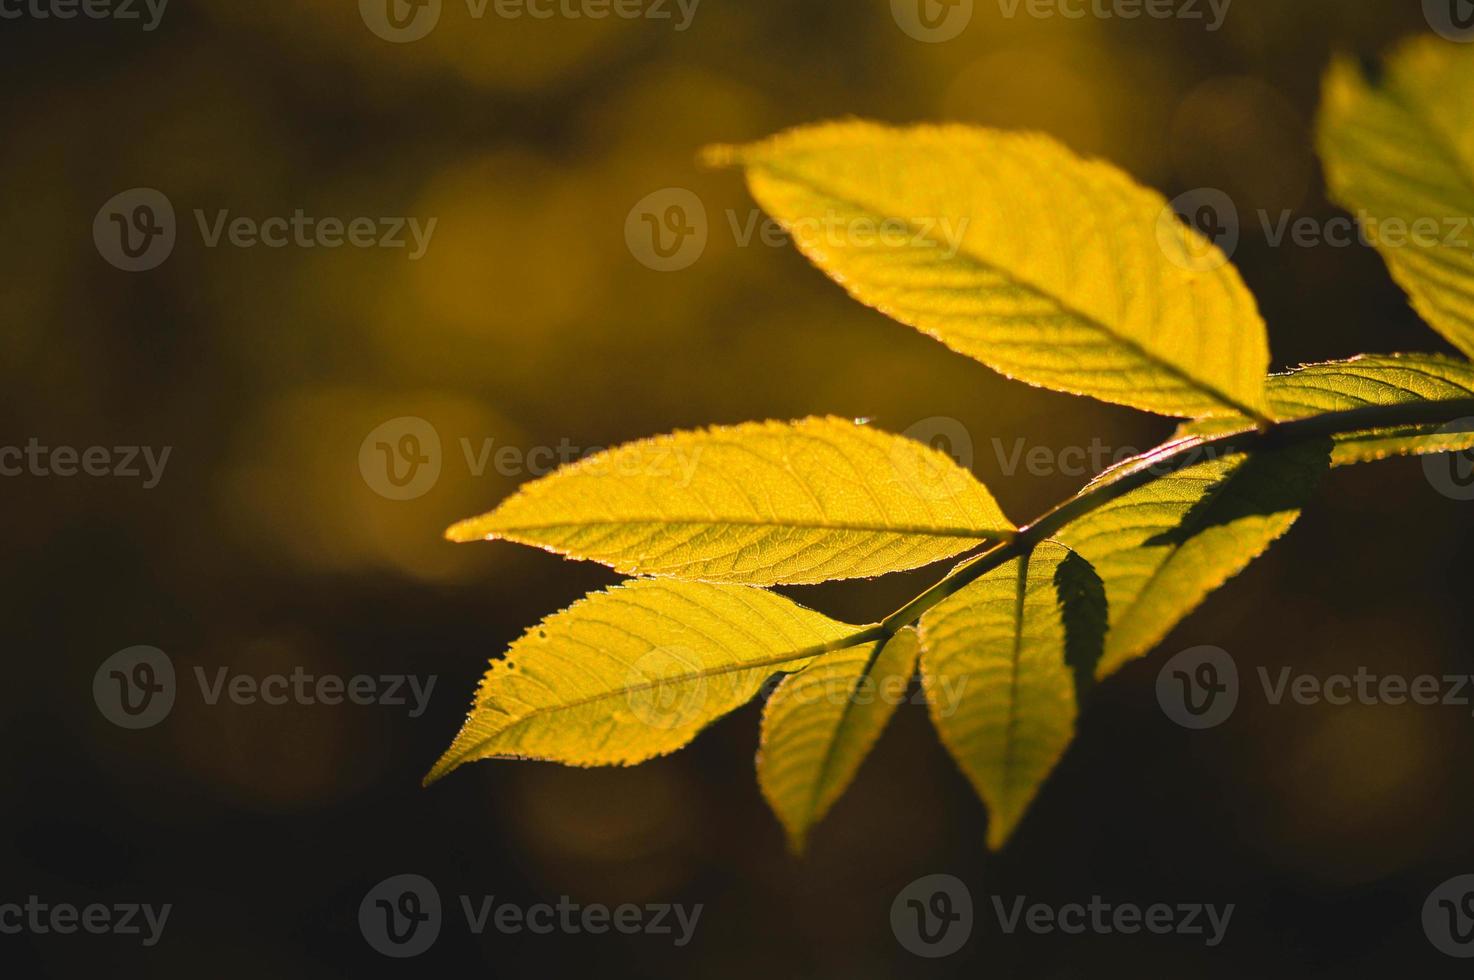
760,503
1399,152
1007,247
1013,643
821,723
635,672
1163,547
1361,382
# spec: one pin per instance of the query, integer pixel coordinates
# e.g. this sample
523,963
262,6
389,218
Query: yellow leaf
635,672
1363,382
1007,247
1000,662
1400,155
1161,548
821,723
761,503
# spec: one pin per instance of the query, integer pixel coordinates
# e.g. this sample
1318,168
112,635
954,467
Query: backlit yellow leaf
1399,153
1012,644
760,503
821,723
1161,548
635,672
1007,247
1363,382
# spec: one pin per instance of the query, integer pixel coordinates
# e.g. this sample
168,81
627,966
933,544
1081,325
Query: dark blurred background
532,321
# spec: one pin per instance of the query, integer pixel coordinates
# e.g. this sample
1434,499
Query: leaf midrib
863,635
914,530
1191,382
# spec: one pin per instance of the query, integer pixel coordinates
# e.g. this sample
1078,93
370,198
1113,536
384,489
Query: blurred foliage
530,322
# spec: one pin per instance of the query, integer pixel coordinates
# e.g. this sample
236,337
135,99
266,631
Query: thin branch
1149,470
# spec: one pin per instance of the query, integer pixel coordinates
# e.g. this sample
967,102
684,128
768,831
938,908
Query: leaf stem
1169,459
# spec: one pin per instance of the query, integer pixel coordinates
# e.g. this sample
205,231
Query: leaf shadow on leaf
1267,483
1084,612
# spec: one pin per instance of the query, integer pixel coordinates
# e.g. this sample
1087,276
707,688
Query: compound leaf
1400,153
762,503
635,672
1162,547
821,723
1014,643
1047,267
1366,381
